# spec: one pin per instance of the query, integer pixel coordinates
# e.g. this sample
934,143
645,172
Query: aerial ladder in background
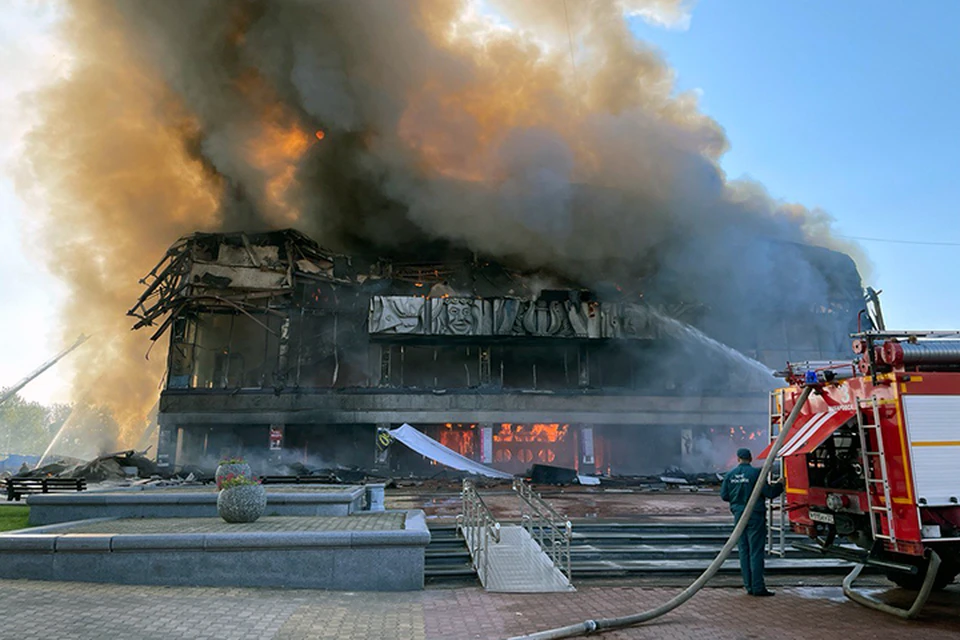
6,394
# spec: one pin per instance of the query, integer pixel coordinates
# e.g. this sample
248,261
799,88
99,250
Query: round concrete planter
242,504
237,469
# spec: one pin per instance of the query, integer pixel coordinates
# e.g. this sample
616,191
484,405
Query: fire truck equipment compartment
934,446
812,432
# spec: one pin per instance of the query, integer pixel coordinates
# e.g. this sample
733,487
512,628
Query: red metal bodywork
889,391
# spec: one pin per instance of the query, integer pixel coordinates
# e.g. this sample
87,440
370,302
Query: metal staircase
875,473
778,524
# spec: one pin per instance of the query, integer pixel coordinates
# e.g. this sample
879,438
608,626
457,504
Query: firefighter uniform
736,489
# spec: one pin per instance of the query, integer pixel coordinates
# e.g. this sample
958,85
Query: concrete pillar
486,443
686,447
375,495
485,373
583,366
386,365
381,458
167,448
587,457
283,355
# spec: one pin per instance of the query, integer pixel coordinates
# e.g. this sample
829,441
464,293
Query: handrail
551,530
478,527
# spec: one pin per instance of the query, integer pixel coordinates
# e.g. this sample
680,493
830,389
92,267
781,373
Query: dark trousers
751,549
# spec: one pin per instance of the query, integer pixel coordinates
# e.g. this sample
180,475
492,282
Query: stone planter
242,504
237,469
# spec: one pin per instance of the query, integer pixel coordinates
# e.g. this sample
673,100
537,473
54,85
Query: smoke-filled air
541,133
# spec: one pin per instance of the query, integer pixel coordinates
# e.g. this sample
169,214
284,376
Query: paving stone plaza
365,522
32,610
806,607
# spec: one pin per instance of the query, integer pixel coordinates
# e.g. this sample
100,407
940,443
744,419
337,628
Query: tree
24,427
81,430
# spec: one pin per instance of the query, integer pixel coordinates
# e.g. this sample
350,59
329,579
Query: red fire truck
872,461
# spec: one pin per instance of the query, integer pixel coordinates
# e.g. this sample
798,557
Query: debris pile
121,465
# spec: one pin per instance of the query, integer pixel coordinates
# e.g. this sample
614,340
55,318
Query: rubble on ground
121,465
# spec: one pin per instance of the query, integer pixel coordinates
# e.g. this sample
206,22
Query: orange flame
320,134
462,439
533,433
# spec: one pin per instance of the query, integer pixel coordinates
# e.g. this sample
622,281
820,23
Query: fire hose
907,614
607,624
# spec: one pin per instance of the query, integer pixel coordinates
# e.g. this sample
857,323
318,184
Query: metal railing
478,527
551,530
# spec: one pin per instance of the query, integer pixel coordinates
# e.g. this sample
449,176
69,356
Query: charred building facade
283,351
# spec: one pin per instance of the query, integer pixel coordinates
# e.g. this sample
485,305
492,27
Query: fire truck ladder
778,525
875,473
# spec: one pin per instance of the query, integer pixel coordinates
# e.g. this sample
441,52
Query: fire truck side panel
934,438
931,413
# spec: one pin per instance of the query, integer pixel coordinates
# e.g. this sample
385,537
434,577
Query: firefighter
736,489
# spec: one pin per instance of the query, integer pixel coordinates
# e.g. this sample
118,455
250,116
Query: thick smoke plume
539,132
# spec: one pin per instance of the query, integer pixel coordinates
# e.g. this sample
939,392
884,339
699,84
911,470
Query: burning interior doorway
517,447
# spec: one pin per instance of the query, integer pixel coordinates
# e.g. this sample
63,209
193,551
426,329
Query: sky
853,107
850,107
29,295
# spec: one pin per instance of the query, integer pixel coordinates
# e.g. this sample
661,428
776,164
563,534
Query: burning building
474,286
280,347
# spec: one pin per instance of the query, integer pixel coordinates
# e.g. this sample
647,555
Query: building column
276,439
486,443
587,455
381,459
167,449
583,366
686,448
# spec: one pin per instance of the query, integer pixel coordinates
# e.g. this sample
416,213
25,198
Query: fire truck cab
872,461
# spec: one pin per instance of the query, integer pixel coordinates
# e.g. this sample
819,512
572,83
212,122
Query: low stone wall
282,500
367,559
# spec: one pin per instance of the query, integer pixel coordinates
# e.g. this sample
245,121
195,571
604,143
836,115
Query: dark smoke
439,125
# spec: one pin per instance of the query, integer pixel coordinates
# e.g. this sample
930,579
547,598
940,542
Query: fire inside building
281,348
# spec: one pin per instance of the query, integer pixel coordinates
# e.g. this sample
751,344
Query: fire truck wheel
945,578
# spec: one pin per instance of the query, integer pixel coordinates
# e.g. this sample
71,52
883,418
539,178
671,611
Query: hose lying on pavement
907,614
606,624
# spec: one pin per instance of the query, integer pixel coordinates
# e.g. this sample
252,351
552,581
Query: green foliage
24,427
233,461
236,480
27,428
13,517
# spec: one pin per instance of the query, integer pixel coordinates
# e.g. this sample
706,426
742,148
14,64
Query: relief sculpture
636,322
417,315
397,314
456,317
505,312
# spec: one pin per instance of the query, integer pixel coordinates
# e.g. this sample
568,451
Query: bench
17,487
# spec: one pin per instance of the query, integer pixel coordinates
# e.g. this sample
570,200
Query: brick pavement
31,610
284,524
211,488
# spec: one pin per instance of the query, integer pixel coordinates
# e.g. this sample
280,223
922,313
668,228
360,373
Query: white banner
427,446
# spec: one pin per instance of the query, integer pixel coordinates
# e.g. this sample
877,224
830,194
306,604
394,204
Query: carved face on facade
460,317
636,322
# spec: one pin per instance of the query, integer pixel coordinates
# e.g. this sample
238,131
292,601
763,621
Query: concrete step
586,553
817,566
